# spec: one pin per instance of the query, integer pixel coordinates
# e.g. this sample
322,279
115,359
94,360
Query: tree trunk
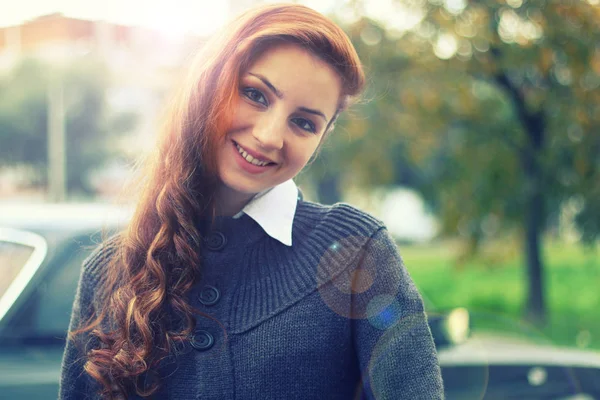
535,311
534,125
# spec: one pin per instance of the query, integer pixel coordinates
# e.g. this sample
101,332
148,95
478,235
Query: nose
269,131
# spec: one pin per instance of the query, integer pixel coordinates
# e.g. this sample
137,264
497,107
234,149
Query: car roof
63,216
498,350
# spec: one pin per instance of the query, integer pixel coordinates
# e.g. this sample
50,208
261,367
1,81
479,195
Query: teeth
249,158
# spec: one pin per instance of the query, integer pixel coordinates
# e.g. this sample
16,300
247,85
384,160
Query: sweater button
202,340
209,295
215,241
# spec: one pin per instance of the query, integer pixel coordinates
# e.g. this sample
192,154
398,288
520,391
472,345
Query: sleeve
75,383
395,349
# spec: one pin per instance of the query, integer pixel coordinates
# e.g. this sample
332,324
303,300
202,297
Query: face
286,99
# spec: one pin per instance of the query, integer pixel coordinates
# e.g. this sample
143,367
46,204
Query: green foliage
513,110
23,115
91,128
494,292
490,109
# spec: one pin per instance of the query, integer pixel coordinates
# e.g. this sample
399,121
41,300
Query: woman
227,284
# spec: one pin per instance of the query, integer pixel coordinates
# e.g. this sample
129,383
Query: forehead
299,75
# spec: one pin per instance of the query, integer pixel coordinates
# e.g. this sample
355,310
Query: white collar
274,210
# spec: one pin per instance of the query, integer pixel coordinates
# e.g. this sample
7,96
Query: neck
229,202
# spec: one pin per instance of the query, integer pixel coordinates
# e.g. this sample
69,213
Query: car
42,248
499,367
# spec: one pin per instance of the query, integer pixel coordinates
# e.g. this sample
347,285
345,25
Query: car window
45,312
13,257
54,297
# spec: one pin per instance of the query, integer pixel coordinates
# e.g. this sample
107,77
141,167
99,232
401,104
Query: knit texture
335,316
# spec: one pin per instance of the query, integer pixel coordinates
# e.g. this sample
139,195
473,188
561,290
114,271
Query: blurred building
143,62
60,39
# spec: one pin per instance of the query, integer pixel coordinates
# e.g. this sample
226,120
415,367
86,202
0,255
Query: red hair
157,258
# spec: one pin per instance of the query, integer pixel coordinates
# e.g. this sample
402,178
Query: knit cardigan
335,316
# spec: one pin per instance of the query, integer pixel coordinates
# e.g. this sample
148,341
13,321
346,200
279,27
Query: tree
491,109
90,126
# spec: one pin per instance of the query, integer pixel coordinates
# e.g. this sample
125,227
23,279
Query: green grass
492,286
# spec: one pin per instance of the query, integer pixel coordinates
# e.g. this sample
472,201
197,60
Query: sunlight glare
173,17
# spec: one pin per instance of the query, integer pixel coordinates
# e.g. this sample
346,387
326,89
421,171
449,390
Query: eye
255,95
305,124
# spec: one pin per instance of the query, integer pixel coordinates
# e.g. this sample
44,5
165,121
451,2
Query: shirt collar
274,210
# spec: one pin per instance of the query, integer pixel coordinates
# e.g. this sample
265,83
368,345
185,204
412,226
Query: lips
254,154
248,167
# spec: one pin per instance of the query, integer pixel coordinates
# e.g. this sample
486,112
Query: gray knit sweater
335,316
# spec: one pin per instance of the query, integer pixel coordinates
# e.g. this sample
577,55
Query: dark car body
492,367
51,241
41,251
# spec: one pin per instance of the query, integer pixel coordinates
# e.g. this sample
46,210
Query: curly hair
143,310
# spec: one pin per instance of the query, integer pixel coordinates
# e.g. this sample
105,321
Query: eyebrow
280,95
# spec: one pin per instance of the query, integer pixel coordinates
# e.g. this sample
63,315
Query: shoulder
93,270
92,276
340,221
337,216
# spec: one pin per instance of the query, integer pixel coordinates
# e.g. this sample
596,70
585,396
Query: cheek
242,113
236,117
303,152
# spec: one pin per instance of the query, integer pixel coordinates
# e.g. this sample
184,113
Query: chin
247,188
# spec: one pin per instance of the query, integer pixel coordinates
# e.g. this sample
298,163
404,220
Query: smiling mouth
250,159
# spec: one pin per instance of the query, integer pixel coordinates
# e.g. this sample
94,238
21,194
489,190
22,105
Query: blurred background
477,140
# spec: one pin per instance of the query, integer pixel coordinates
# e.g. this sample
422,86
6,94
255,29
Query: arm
393,342
75,383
